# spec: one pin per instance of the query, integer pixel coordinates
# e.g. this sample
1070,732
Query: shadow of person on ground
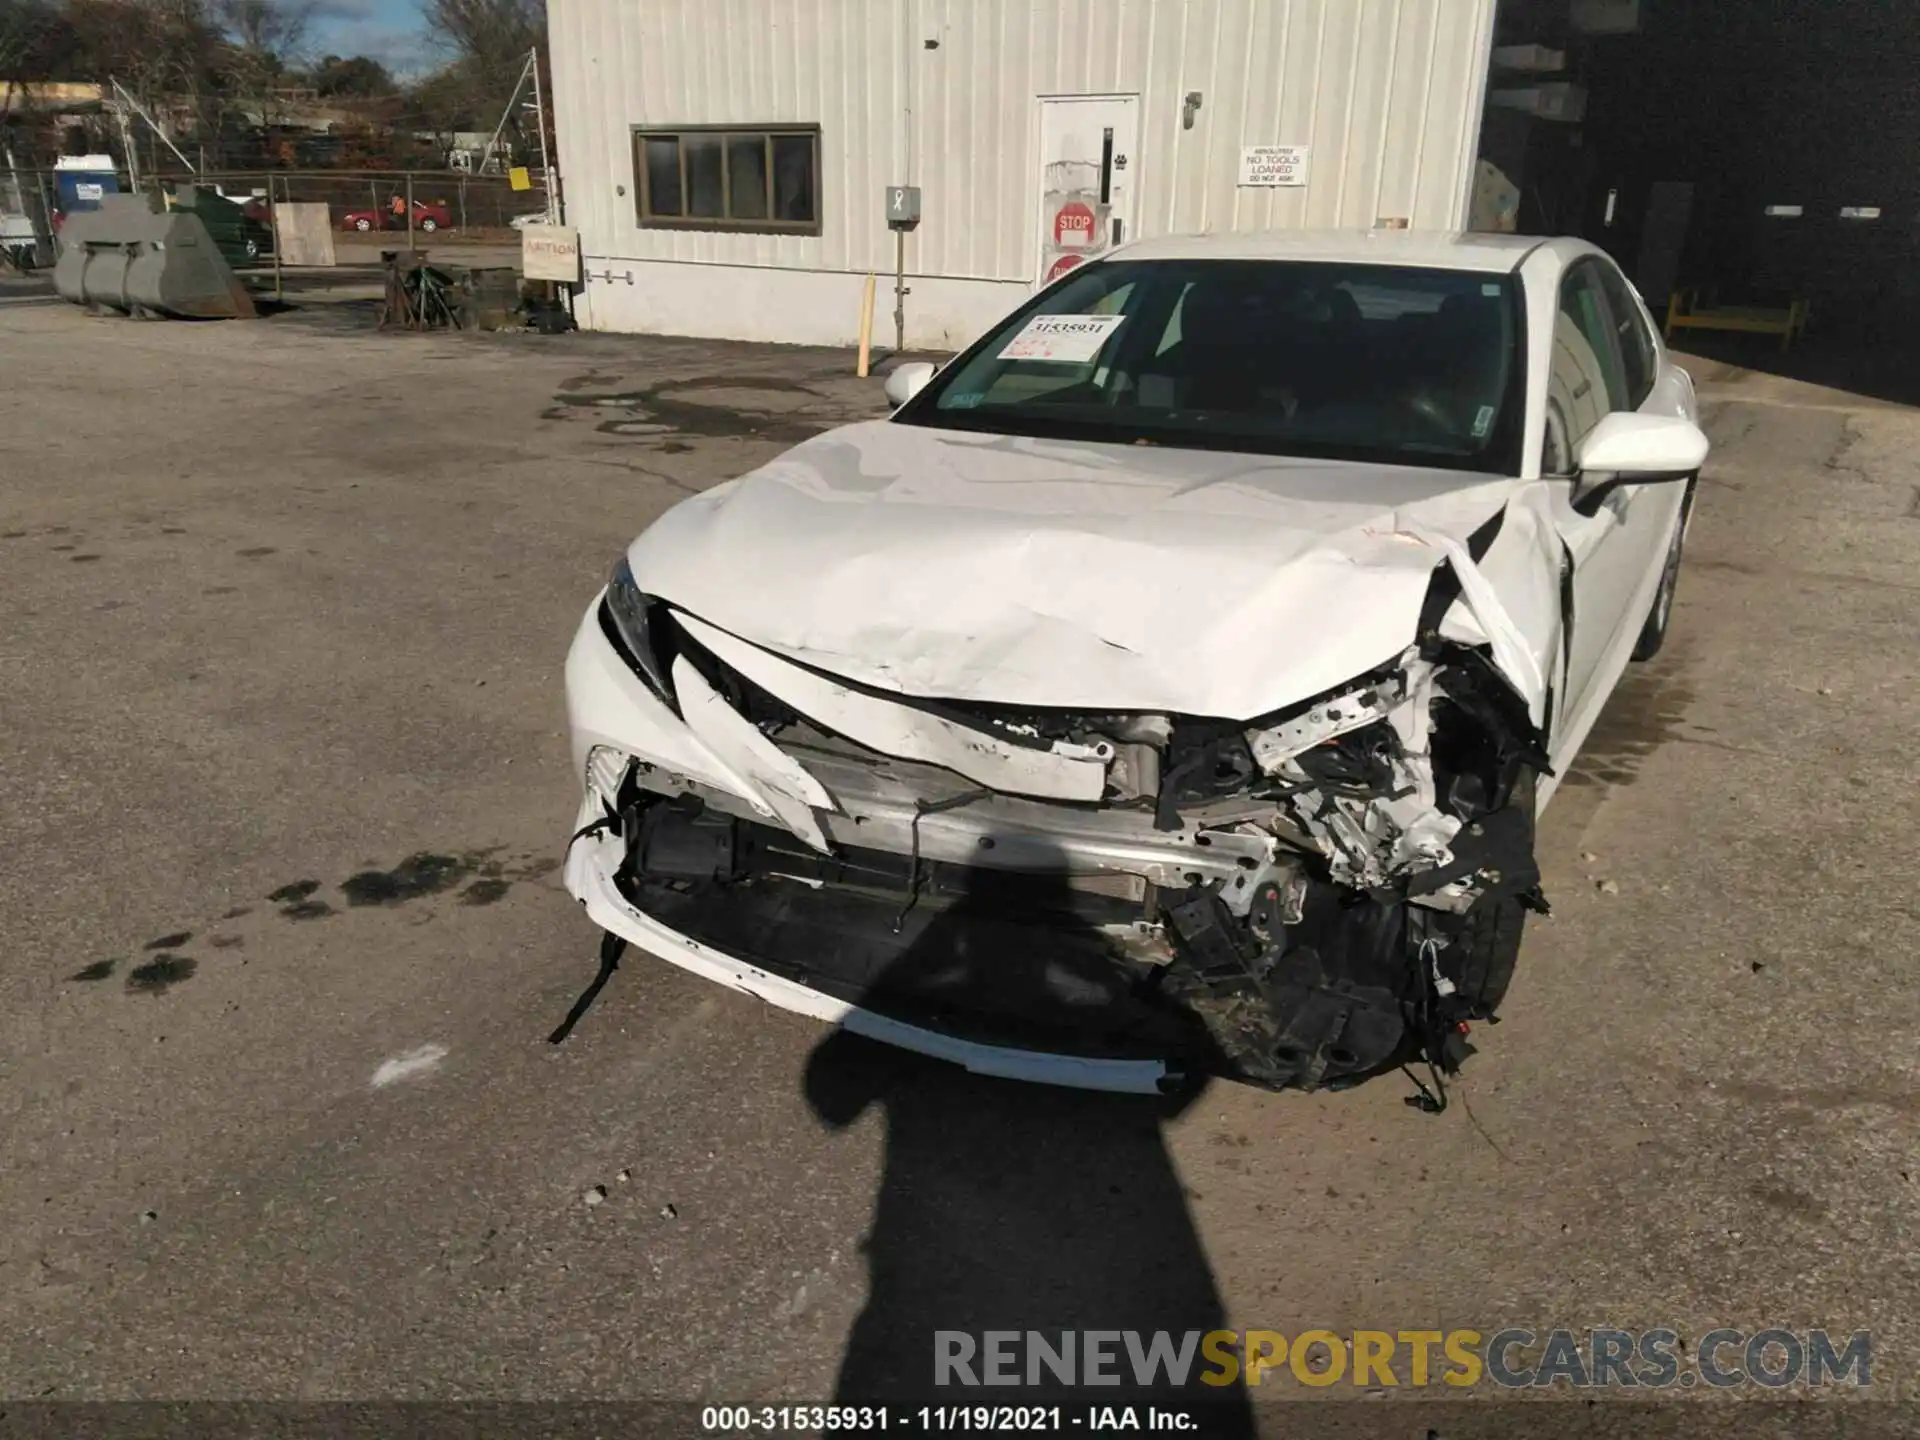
1010,1206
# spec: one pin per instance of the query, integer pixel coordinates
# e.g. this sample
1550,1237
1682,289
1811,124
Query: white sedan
1170,685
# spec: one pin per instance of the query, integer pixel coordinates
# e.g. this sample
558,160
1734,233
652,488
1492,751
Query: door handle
1119,229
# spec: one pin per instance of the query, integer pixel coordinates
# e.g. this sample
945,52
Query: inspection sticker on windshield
1074,339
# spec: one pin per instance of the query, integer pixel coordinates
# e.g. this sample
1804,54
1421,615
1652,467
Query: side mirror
907,381
1627,448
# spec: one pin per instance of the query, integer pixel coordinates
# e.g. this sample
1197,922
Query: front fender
1518,608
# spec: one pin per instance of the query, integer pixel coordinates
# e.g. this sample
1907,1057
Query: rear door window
1638,358
1587,379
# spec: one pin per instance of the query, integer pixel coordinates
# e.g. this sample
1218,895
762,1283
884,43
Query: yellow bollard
866,327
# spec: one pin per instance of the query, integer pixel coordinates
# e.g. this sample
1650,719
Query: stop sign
1073,224
1062,266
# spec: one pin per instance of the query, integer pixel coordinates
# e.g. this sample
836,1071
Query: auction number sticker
1074,339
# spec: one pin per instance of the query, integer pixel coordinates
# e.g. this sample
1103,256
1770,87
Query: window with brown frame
762,179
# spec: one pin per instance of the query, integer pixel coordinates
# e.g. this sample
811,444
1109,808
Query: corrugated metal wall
1386,92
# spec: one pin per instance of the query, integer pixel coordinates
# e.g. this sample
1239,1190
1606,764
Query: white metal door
1089,176
1619,551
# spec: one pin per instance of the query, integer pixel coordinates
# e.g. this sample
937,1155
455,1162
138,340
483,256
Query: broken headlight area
1305,900
638,627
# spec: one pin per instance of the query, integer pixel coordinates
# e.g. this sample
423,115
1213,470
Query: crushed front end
1304,899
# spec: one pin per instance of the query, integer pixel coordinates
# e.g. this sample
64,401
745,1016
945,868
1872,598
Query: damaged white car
1170,685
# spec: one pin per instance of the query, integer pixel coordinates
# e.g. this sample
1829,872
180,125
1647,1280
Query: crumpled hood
1045,573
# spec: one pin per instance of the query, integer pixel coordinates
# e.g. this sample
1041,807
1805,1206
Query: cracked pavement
286,789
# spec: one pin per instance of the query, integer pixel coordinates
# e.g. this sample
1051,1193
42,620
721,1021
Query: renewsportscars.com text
1515,1358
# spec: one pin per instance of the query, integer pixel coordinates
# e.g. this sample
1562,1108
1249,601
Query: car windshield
1390,364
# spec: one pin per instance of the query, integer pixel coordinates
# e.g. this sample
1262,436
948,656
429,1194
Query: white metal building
727,162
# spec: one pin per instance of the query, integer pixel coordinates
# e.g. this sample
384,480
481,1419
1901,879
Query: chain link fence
451,205
480,206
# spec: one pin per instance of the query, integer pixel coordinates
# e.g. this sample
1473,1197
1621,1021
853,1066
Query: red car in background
426,216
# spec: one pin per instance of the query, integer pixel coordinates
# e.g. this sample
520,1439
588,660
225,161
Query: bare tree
266,27
490,40
163,51
160,50
492,35
26,28
267,38
445,103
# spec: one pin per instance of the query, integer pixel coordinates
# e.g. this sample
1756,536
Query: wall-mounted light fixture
1189,108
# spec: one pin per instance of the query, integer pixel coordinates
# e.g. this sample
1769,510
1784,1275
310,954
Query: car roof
1425,249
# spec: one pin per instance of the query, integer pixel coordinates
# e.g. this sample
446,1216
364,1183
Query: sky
387,30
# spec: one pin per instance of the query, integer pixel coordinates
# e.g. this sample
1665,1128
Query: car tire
429,224
1481,947
1487,941
1654,633
363,224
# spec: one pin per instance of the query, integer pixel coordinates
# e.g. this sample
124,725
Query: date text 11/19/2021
944,1419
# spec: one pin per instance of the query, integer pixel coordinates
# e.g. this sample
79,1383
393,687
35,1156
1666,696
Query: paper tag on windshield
1074,339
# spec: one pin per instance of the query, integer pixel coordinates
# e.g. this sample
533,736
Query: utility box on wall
903,207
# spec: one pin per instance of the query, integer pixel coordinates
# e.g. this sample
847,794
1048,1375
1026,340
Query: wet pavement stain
255,552
221,590
1789,1201
1647,709
13,535
160,974
173,529
422,874
668,408
82,559
296,901
414,877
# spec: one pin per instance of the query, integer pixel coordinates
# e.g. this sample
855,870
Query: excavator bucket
128,257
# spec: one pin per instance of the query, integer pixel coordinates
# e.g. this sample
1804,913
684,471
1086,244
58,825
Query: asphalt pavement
285,792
